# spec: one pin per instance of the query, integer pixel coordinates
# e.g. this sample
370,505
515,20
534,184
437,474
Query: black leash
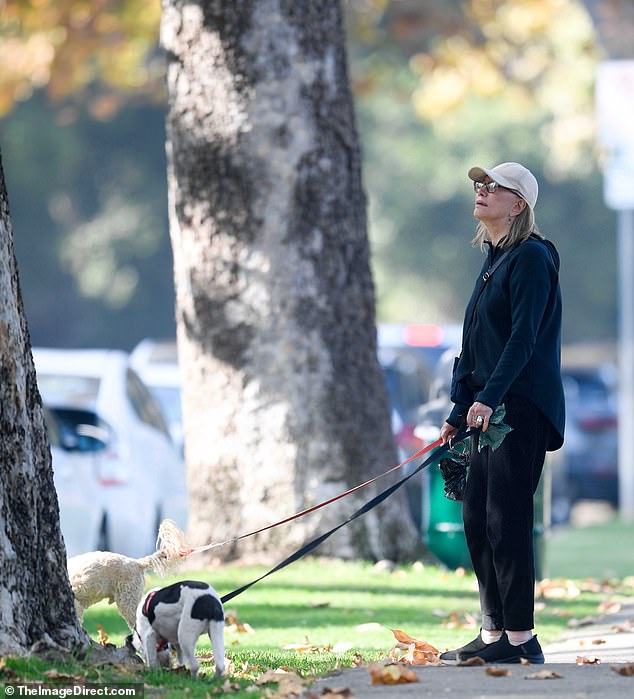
460,436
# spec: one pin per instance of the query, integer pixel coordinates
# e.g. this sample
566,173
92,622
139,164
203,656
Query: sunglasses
491,187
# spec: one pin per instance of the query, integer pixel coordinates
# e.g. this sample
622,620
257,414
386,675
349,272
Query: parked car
76,438
590,451
141,475
156,362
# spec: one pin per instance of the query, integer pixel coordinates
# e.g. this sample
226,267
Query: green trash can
443,529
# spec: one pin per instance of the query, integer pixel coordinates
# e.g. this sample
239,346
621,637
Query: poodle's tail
170,548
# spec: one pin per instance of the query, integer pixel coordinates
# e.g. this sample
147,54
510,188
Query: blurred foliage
440,86
65,46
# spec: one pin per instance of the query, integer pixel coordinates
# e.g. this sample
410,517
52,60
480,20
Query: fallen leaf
525,661
403,637
476,660
417,652
556,589
234,625
497,672
544,675
621,628
319,605
610,607
391,674
598,641
583,660
460,572
6,672
57,675
586,621
455,621
342,646
343,693
625,670
288,683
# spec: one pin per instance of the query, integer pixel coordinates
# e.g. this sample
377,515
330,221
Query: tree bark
36,602
284,401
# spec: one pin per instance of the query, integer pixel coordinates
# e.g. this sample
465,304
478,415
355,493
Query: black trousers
498,517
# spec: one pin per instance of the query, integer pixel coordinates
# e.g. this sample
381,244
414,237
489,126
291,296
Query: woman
510,356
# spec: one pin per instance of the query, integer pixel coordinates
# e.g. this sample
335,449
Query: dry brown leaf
391,674
6,672
342,693
403,637
234,625
57,675
525,661
458,620
289,684
610,607
544,675
598,641
556,589
621,628
102,635
319,605
356,659
584,660
586,621
625,670
497,672
306,647
476,660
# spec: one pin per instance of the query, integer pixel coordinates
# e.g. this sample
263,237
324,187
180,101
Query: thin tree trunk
36,602
284,401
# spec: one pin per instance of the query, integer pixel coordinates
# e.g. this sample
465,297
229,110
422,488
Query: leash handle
297,515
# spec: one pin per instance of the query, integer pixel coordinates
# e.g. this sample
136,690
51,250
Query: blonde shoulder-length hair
522,227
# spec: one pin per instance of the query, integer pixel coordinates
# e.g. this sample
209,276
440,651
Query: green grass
346,610
599,551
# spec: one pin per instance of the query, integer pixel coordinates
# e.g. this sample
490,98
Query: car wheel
103,539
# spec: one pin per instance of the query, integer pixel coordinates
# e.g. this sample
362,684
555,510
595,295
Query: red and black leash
460,436
297,515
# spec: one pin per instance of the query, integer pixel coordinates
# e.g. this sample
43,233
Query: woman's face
497,205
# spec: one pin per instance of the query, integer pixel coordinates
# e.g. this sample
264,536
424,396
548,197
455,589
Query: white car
141,474
156,362
76,478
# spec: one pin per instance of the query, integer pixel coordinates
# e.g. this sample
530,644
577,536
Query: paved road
576,682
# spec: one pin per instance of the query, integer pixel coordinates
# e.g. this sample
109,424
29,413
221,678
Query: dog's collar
148,599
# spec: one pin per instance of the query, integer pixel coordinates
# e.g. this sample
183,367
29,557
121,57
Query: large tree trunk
284,401
36,602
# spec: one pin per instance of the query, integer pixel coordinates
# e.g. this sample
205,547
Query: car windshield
57,389
170,399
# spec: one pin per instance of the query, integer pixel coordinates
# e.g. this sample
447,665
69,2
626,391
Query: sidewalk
598,640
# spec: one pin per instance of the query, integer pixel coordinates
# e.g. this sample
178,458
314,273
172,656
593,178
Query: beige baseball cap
512,176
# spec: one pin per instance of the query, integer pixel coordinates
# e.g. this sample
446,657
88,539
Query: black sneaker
503,652
473,648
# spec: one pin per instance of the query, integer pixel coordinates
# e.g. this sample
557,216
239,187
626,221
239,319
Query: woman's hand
447,431
478,416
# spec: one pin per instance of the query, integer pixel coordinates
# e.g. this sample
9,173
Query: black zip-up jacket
512,344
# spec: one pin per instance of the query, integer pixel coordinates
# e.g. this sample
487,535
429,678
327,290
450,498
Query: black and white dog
178,614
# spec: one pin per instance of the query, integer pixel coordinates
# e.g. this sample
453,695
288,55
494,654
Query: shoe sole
532,659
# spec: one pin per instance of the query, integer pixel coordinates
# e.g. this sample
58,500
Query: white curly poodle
119,579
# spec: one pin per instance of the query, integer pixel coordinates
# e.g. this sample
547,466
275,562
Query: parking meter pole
626,362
